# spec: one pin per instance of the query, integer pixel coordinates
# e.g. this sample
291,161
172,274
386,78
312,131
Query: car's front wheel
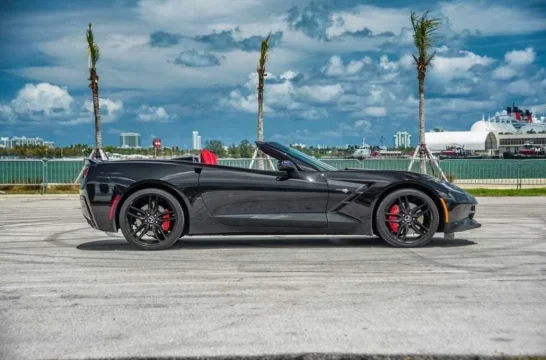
407,218
151,219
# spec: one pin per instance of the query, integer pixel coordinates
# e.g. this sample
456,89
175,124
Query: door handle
345,191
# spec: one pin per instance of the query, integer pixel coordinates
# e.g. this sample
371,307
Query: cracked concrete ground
68,291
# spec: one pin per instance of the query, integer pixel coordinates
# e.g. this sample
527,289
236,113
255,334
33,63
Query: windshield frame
290,152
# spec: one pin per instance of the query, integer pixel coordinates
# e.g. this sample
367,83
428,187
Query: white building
402,139
6,142
482,141
129,140
198,142
195,138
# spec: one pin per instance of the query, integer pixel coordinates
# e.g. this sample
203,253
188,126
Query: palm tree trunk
94,85
260,128
422,144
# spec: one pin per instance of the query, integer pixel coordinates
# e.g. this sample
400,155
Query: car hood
445,189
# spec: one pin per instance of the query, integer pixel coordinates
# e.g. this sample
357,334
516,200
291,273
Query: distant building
299,145
196,140
402,139
129,140
6,142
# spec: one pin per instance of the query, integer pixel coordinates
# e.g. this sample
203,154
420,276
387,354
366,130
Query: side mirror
286,165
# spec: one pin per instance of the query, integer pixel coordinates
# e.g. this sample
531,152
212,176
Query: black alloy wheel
152,219
407,218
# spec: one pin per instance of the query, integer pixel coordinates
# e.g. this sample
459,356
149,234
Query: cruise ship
511,120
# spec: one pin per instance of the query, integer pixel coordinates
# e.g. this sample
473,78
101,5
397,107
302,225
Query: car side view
156,202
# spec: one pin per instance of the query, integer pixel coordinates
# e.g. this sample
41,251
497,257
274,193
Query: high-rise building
198,142
195,136
129,140
402,139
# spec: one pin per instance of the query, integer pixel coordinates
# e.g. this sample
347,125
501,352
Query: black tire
423,218
147,211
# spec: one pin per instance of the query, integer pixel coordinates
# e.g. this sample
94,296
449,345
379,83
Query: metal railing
519,173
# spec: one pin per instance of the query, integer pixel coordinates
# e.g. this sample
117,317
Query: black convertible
156,202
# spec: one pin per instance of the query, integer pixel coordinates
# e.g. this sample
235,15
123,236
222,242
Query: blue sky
339,70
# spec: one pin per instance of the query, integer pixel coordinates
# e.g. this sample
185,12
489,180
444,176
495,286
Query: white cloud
385,64
376,19
377,111
406,62
320,93
289,75
6,114
448,68
357,128
110,109
520,87
492,18
336,68
504,73
520,57
51,100
148,113
314,114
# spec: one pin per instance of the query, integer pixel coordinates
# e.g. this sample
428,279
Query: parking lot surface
68,291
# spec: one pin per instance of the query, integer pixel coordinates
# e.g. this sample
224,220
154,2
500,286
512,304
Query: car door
255,198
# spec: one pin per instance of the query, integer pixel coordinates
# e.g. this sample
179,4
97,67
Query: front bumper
461,218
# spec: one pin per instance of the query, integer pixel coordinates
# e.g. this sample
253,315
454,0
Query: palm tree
424,36
261,78
94,55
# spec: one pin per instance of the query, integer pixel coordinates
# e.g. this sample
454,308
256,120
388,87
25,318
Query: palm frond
264,53
92,48
424,35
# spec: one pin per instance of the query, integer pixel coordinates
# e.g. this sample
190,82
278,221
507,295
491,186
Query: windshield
322,166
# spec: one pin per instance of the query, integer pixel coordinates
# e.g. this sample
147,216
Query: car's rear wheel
151,219
407,218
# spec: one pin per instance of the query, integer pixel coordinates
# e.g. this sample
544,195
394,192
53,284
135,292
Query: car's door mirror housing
286,165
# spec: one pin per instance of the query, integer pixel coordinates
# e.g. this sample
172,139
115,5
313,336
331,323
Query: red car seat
208,157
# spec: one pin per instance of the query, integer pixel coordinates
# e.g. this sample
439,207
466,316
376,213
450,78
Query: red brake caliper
393,210
167,224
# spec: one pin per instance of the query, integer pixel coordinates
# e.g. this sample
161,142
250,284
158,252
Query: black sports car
156,202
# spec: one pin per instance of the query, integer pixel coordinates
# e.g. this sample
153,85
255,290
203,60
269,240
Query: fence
518,173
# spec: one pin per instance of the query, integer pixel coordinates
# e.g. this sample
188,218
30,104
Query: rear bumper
86,210
461,218
95,209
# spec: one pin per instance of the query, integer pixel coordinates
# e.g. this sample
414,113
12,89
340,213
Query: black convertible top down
156,202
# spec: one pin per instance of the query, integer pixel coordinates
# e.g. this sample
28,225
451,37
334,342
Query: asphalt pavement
68,291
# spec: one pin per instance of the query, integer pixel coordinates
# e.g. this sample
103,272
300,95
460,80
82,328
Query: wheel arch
154,184
409,185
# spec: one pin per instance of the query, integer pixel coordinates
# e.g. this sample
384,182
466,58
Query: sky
338,70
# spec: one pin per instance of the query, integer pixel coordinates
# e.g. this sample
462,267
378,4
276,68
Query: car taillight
85,171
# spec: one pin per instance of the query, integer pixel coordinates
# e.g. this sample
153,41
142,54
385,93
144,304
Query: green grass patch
507,192
37,189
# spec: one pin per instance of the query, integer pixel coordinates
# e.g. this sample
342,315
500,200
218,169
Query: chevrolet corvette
154,203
